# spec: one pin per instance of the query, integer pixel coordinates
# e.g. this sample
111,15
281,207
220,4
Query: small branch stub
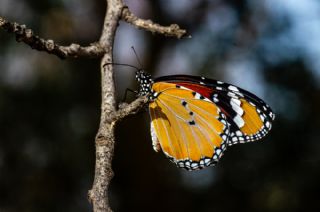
132,108
170,31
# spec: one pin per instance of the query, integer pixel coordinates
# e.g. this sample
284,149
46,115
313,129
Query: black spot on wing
192,122
184,103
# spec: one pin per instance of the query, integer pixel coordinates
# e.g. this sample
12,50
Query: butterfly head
145,82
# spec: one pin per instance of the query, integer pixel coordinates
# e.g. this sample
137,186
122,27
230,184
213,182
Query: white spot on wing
155,141
194,165
268,125
239,121
197,96
238,133
233,88
236,101
218,151
235,104
224,137
232,95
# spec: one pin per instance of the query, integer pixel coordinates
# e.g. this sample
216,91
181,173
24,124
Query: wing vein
166,130
204,133
175,133
174,114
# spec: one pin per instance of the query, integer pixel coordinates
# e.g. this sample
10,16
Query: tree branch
26,35
170,31
105,137
130,109
110,114
94,50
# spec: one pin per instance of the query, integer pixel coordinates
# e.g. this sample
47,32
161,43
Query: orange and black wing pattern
191,132
194,119
249,117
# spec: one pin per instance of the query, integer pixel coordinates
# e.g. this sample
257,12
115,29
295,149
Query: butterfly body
194,119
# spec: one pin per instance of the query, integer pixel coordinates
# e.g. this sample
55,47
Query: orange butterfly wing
193,119
250,118
192,132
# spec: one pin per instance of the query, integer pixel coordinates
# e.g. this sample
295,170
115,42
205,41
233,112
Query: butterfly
195,119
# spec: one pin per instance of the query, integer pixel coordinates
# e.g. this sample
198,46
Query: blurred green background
49,108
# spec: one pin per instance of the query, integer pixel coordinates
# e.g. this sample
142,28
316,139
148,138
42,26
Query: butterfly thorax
145,83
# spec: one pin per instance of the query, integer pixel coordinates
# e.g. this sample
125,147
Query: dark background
49,108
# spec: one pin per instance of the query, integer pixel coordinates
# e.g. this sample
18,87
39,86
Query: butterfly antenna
135,53
121,64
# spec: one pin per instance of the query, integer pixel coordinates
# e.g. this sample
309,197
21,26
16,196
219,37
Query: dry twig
26,35
170,31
